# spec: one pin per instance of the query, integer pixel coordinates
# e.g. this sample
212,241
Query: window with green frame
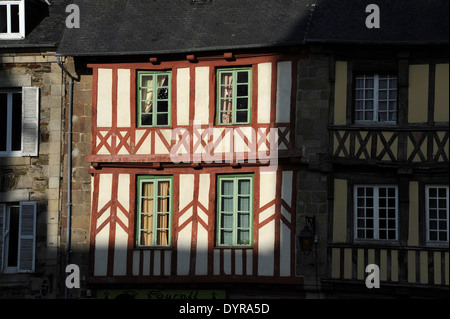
154,104
234,91
234,210
154,211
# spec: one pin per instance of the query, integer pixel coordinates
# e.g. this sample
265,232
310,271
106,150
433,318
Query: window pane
3,27
13,246
147,119
226,105
242,103
243,237
16,128
147,105
227,220
242,116
242,77
163,94
226,78
227,187
15,18
244,204
244,187
162,107
162,119
3,119
227,204
244,220
226,117
242,90
146,238
162,238
163,80
226,237
147,81
163,221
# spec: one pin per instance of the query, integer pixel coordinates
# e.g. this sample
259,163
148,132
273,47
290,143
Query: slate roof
48,28
120,27
132,27
401,22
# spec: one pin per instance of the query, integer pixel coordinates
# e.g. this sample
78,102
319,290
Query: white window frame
376,99
30,123
376,212
14,35
427,213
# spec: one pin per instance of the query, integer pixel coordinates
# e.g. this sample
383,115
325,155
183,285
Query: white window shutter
30,121
2,231
27,236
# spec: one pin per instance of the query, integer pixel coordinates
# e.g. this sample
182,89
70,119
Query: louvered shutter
27,236
2,231
30,121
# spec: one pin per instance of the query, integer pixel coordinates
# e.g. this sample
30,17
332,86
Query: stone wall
81,179
36,178
313,94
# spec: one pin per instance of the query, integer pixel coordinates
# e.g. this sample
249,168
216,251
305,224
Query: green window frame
234,210
234,92
154,98
154,211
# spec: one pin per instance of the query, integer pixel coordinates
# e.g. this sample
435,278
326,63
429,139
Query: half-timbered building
388,150
193,155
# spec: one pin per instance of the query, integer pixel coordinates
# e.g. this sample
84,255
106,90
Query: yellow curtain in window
147,214
163,210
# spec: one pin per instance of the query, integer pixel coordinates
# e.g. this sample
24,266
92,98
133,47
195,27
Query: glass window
12,20
154,104
437,213
234,96
10,122
235,210
375,209
376,98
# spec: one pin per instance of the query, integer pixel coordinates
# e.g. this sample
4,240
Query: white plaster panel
123,98
264,92
183,96
202,94
120,252
284,86
266,249
104,98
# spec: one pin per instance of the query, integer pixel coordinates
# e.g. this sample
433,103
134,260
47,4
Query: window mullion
376,215
235,209
375,96
154,99
234,121
8,18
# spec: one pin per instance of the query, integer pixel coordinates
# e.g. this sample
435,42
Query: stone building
31,126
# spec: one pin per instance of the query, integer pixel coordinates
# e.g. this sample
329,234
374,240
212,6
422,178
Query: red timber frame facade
121,153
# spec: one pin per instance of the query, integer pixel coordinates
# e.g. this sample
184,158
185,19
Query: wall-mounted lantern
307,237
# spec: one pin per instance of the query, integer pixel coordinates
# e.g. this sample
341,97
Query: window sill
233,247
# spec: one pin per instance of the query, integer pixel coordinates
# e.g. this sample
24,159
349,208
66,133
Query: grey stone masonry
312,112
